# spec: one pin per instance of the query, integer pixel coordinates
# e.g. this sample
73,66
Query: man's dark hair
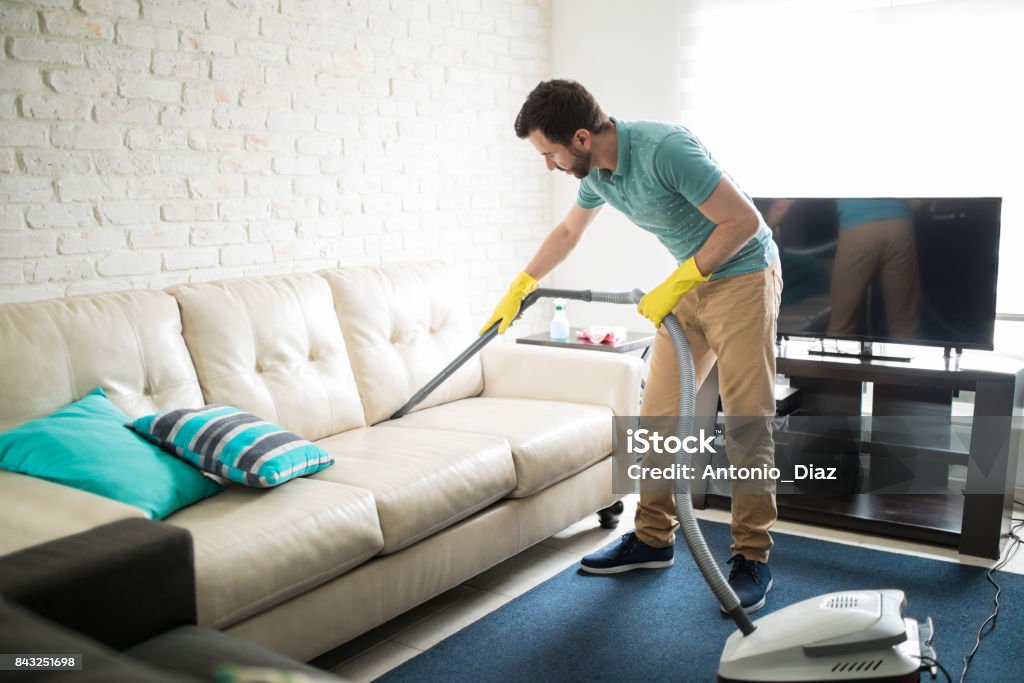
558,109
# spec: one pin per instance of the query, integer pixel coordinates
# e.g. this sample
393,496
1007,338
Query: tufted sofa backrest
402,324
54,352
272,346
317,353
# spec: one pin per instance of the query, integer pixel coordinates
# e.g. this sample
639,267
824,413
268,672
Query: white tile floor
402,638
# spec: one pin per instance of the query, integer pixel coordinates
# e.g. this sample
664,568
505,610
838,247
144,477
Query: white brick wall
149,142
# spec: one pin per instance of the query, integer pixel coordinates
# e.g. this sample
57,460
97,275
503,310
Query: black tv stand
973,515
865,353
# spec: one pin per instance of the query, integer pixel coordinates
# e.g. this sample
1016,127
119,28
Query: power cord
1015,543
929,662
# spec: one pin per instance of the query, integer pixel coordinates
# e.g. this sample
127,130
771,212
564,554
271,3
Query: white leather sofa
514,447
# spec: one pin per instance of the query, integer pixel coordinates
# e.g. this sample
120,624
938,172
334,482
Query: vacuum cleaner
858,635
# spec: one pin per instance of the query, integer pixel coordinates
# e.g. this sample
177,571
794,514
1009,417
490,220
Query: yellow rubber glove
660,301
508,308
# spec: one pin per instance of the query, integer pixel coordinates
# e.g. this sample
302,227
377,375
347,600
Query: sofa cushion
85,445
257,548
233,444
422,480
272,346
403,323
55,352
550,440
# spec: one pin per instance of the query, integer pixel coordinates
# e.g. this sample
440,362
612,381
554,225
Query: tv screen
903,270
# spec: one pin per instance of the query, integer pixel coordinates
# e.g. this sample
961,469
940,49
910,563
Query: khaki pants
731,320
886,248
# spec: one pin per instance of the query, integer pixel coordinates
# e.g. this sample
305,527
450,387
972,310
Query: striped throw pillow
233,444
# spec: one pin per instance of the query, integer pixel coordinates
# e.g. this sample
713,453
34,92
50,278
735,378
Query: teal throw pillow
85,445
234,444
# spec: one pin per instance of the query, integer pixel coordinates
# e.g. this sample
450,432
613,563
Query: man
725,293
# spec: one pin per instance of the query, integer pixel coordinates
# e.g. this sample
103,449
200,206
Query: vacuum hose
687,408
684,502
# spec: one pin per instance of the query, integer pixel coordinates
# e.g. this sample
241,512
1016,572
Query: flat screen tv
905,270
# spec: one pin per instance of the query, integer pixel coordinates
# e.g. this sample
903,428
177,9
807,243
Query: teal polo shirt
662,175
853,212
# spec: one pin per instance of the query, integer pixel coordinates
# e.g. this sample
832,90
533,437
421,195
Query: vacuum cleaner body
846,636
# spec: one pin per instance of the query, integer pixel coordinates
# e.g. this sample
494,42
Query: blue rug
664,625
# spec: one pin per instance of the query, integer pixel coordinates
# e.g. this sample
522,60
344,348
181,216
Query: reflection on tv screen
906,270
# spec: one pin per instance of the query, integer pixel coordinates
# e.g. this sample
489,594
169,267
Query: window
865,98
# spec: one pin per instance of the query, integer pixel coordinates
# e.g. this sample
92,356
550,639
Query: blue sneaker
631,553
751,581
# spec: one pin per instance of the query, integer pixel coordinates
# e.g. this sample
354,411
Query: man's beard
580,163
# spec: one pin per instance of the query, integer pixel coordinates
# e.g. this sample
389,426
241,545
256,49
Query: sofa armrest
23,631
119,583
521,371
36,511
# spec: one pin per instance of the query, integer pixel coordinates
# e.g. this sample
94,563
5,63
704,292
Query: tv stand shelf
928,518
975,520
